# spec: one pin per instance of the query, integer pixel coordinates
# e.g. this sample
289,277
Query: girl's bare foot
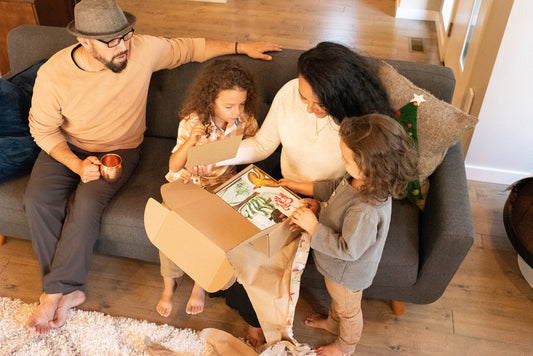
329,350
316,321
66,302
255,336
38,321
195,305
164,307
320,322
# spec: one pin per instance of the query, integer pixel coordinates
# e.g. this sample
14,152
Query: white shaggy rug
91,333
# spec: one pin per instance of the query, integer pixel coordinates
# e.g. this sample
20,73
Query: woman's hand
305,218
305,188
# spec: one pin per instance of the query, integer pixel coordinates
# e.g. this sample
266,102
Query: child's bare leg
195,305
164,307
255,336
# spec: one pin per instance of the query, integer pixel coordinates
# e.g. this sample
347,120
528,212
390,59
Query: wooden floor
486,310
368,26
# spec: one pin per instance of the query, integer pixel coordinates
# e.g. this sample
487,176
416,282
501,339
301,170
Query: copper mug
111,167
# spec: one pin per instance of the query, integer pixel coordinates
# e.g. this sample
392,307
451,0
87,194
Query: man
90,99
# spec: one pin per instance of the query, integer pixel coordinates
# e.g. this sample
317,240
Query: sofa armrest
446,226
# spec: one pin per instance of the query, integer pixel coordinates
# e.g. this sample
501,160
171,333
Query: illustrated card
259,197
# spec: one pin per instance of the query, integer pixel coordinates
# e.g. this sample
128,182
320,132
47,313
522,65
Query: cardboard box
196,228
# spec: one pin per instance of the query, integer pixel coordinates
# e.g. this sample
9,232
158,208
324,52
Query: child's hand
196,172
197,132
313,205
201,170
305,218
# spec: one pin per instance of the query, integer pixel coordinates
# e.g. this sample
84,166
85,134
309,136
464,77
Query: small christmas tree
407,118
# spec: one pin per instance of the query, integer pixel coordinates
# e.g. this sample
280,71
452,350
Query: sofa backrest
28,44
168,88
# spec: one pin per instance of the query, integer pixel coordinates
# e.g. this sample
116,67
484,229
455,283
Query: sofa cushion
18,150
13,110
399,263
440,125
17,155
15,101
13,219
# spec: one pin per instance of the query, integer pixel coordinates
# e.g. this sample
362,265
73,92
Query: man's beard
114,67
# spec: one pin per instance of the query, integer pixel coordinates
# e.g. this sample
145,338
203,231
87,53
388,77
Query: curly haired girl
220,103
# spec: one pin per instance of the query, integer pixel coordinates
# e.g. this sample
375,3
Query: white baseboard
491,175
416,14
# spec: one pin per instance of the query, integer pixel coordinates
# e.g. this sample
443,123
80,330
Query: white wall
501,150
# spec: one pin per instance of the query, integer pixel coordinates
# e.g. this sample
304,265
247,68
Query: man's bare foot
195,305
255,336
164,306
66,302
329,350
38,321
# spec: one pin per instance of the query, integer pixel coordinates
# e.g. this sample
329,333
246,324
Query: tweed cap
100,19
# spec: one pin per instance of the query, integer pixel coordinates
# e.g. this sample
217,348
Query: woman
333,82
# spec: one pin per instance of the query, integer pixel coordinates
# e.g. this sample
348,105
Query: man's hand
258,49
89,169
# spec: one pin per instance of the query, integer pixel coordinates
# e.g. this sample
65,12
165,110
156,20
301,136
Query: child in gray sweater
350,216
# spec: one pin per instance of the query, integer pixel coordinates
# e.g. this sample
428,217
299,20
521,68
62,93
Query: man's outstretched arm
214,48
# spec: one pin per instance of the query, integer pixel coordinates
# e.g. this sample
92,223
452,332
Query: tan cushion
439,124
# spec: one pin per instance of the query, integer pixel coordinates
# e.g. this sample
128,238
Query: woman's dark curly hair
384,153
217,76
345,83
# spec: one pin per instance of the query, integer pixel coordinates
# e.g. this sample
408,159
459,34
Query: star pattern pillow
439,124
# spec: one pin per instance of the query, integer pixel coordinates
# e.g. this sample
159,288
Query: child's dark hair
345,83
384,153
217,76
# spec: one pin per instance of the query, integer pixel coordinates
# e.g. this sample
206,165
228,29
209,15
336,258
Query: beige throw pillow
439,124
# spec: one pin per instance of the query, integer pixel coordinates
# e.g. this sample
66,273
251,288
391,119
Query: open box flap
183,244
211,216
271,240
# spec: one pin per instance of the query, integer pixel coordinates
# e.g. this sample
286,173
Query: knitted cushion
439,124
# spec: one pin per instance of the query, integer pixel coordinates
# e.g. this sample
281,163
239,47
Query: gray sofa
423,250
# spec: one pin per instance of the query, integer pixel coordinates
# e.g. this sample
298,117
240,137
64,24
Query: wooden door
471,49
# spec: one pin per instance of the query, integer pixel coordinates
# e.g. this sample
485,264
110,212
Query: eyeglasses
116,41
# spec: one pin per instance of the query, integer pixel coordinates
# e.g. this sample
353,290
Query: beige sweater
102,111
